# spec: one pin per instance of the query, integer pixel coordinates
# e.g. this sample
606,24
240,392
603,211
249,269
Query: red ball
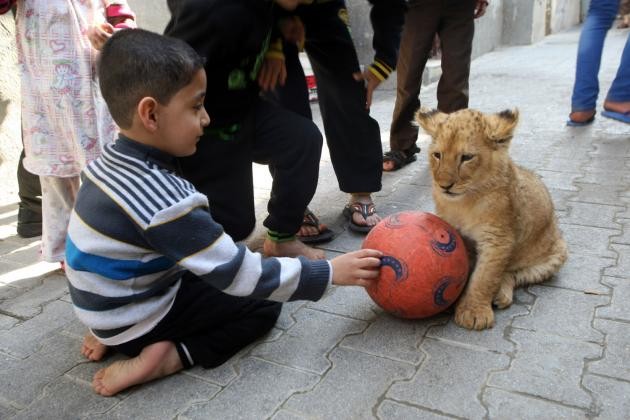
424,267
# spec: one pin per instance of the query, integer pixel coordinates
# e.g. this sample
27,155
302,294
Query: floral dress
65,122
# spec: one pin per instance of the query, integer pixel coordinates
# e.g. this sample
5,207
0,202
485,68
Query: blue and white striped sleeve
187,234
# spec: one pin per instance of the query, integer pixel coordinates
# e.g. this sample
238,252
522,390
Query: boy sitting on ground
151,274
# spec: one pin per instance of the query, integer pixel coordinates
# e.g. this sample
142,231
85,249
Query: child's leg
207,326
58,196
155,361
93,349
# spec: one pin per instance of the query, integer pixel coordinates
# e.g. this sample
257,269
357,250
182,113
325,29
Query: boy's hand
358,268
99,34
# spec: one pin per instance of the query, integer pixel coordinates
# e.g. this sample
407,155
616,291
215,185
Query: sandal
324,234
577,123
366,210
400,158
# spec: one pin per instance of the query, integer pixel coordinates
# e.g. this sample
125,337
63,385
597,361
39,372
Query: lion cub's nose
447,187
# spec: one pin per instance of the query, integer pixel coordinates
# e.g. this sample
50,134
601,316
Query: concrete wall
564,14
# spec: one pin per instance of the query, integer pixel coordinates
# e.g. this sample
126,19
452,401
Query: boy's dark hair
135,63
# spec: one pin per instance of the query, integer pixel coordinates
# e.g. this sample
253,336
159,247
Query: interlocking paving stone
258,392
26,338
321,330
59,401
286,415
491,339
391,338
563,312
449,380
589,214
582,273
607,163
393,410
624,238
603,177
611,397
559,180
586,240
29,303
547,366
616,359
6,412
21,382
508,405
286,320
618,308
367,376
7,322
561,199
622,269
353,302
599,194
182,391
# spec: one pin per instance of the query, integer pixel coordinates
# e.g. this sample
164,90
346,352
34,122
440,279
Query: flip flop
365,210
619,116
324,234
401,158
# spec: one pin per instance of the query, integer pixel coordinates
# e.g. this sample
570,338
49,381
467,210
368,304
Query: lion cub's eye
466,158
437,155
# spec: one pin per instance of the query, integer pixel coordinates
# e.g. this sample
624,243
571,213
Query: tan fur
503,209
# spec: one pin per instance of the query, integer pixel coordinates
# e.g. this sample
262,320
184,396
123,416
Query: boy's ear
429,119
147,113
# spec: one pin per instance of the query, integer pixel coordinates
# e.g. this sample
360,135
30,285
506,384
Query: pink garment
65,121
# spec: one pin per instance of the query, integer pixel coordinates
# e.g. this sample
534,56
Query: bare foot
291,249
621,107
93,349
388,166
581,116
155,361
357,218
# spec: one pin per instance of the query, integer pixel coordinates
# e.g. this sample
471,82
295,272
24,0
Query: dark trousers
208,325
453,21
353,137
222,169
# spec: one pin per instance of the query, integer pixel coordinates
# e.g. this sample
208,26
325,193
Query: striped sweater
137,228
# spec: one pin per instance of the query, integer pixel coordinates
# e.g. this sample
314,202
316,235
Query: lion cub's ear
429,119
500,126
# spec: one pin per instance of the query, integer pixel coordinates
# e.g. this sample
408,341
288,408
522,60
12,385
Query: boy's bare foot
292,248
92,348
155,361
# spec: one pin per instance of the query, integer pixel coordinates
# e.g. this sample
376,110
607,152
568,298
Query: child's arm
118,16
186,234
358,268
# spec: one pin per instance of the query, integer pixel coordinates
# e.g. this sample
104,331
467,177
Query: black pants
222,169
29,189
453,21
353,137
208,325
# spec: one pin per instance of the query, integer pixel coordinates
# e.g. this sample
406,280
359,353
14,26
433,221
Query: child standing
64,120
151,273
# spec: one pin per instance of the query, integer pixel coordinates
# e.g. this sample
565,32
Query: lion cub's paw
477,317
504,296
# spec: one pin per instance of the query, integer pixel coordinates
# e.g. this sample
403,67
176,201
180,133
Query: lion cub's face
468,148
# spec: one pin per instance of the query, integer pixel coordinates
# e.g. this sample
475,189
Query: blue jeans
600,17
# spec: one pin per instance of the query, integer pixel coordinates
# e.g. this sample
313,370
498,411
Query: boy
151,274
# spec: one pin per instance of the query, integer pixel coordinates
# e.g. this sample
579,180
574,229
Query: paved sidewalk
561,351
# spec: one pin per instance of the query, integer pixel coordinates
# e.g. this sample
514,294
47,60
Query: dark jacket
233,36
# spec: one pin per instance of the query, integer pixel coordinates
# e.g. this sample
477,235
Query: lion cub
505,210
